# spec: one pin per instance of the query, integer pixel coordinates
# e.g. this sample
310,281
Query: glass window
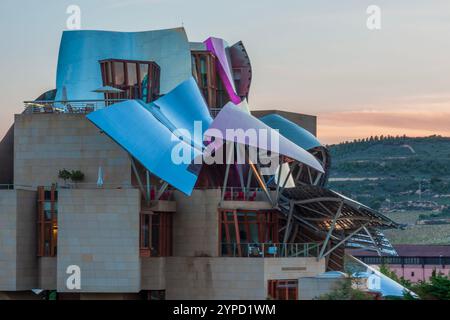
143,69
132,74
254,228
119,73
138,80
47,222
156,235
109,79
145,231
283,289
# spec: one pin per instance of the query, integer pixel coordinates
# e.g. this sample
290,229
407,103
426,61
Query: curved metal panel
218,47
387,286
242,69
80,52
292,131
231,117
185,108
137,131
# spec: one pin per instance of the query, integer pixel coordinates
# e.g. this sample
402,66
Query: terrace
72,106
78,106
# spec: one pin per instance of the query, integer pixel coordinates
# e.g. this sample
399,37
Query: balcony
72,107
243,194
271,250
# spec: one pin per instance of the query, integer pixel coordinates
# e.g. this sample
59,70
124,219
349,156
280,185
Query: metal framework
335,219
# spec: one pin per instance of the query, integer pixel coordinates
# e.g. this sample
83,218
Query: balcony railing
73,106
87,185
15,186
243,194
270,250
395,260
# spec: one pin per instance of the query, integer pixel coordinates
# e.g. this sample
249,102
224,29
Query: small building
414,262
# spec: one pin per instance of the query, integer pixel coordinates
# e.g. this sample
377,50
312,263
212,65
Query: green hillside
399,176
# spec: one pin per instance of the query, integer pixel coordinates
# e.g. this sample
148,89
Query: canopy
292,131
232,117
148,140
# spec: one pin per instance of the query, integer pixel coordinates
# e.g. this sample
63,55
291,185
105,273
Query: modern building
90,193
413,262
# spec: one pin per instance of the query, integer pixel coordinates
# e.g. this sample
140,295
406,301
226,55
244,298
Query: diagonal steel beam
261,181
373,240
227,170
138,178
343,240
162,190
333,225
288,223
321,199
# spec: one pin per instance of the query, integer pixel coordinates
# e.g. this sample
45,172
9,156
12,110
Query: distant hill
398,175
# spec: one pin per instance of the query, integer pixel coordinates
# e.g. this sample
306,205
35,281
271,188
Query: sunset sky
315,57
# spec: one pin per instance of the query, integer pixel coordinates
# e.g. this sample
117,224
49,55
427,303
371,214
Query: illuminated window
137,79
156,235
47,222
283,289
241,231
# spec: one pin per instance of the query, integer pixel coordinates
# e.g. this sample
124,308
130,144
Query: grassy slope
400,166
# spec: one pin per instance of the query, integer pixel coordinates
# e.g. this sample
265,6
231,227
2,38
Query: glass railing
73,106
270,250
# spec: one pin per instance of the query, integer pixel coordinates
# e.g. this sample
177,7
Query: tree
345,291
437,288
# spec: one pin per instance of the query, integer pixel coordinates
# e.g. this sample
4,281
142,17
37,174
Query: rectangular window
283,289
119,73
156,234
47,221
137,79
241,232
204,70
132,74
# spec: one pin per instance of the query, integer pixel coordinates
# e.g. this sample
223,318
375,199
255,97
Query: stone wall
47,273
18,260
8,243
153,273
7,157
232,278
47,143
196,224
311,288
26,259
99,232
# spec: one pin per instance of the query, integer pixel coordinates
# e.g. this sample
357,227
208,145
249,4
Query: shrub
345,291
64,175
74,175
77,176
